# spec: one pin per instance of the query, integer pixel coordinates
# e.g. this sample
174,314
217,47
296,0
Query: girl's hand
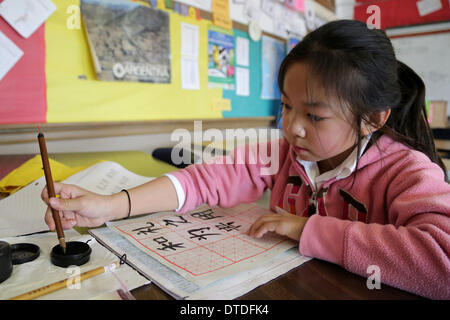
79,207
285,224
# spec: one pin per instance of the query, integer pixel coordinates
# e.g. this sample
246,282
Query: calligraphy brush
51,189
33,294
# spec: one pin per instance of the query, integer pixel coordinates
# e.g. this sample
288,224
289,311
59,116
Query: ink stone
77,253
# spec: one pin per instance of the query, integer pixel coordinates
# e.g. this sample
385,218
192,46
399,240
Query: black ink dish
24,252
6,266
77,253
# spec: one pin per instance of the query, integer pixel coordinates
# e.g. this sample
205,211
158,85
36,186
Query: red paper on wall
395,13
23,89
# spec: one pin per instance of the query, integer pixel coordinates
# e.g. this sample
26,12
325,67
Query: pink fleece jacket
395,214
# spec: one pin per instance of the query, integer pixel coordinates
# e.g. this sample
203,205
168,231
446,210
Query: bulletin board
55,81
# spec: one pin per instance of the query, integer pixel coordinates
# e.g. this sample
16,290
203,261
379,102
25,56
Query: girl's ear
378,120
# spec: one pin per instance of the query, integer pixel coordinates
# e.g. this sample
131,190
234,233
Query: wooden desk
314,279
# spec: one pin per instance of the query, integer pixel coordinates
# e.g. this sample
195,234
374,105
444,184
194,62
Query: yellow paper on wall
75,95
221,104
221,14
160,4
192,13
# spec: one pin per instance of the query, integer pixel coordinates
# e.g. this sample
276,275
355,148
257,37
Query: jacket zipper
313,206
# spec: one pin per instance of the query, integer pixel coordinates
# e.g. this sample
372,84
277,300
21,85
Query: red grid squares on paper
235,249
203,240
167,244
200,261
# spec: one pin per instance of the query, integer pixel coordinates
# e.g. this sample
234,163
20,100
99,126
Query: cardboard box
437,115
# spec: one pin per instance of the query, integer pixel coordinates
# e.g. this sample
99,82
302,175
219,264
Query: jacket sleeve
411,250
240,177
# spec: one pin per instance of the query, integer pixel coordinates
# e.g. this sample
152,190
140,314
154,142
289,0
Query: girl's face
313,123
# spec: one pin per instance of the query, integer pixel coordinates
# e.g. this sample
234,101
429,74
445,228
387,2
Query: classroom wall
425,49
63,88
136,142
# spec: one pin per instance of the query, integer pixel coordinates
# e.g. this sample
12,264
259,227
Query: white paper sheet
189,40
206,244
310,14
426,7
268,7
9,55
201,4
25,16
23,212
190,77
242,82
242,51
180,288
24,276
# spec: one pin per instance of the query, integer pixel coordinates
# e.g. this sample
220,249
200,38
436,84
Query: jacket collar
370,153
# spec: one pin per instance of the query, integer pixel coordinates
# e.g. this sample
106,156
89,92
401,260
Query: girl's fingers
258,226
44,195
68,215
49,219
264,228
65,190
68,223
67,219
66,204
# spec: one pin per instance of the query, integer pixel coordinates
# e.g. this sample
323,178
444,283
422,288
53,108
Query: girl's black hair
357,65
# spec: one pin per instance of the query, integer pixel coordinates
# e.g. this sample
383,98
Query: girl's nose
295,125
300,132
297,129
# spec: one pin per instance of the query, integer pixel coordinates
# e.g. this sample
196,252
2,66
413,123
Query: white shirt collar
342,171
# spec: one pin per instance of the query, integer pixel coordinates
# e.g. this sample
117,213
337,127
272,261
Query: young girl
359,182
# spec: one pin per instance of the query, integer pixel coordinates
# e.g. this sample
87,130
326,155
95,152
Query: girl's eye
315,118
286,106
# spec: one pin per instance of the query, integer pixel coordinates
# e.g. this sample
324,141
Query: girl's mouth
299,150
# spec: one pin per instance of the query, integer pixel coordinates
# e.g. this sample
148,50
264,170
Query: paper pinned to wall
300,5
273,52
268,7
221,14
242,81
295,23
9,54
251,10
189,40
201,4
310,14
242,51
221,58
25,16
190,78
23,93
221,104
426,7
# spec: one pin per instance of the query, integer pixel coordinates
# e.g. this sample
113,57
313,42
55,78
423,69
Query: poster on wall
273,52
221,59
128,41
